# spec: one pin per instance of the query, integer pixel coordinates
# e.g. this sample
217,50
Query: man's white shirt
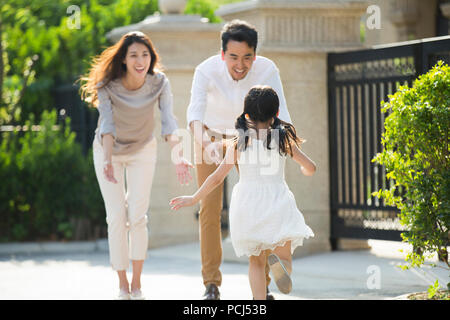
217,100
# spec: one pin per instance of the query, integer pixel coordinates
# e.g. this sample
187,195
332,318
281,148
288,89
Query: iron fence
358,81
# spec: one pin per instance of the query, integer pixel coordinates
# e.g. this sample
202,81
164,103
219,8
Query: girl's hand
183,201
182,169
108,171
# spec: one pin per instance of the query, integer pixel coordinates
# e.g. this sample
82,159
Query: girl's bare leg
257,276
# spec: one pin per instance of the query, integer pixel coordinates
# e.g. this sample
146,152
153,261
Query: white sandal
137,295
123,295
280,273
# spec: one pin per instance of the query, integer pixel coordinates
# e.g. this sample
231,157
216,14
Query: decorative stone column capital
404,11
445,8
172,6
300,25
167,23
404,15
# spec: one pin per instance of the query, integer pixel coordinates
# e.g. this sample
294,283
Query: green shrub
9,187
417,157
206,8
51,185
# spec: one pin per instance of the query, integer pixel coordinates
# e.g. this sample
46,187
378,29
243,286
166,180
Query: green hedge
417,157
49,190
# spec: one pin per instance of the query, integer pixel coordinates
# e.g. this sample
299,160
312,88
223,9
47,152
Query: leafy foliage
417,157
42,49
206,8
50,183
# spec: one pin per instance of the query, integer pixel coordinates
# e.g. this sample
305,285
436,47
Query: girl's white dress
263,212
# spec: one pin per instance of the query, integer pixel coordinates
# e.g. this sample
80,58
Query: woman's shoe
123,295
137,295
280,274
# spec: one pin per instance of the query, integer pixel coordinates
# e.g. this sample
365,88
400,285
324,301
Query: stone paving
71,272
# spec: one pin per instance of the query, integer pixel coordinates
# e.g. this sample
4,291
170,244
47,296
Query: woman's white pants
127,202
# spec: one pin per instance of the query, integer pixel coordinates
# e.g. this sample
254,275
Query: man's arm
196,112
197,105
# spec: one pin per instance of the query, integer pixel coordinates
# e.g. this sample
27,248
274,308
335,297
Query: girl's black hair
262,104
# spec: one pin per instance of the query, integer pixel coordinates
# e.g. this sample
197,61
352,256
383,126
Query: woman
124,84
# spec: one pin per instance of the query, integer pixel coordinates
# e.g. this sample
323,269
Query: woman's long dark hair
260,105
109,65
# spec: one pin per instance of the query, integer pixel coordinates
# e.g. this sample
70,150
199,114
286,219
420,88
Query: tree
40,50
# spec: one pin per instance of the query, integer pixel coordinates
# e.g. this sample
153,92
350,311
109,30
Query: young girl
264,219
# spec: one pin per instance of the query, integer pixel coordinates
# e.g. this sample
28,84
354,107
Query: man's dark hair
240,31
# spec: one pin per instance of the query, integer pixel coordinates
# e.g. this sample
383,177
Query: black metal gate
358,81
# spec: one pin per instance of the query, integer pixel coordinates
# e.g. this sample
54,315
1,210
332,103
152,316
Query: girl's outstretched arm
308,166
210,183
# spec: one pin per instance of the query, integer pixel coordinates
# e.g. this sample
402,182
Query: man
217,98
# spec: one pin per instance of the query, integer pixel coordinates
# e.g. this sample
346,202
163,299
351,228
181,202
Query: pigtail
243,126
287,136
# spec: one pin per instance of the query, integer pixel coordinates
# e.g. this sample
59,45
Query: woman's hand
183,201
108,171
181,164
182,169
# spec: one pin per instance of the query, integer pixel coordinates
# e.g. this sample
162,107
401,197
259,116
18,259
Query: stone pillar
402,20
445,7
297,35
182,41
404,14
